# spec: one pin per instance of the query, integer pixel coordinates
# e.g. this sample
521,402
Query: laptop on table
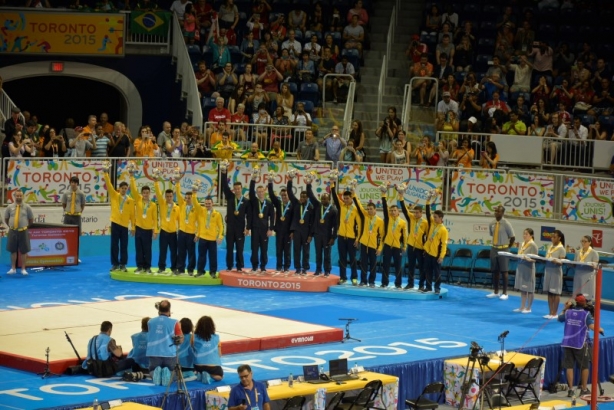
338,369
311,374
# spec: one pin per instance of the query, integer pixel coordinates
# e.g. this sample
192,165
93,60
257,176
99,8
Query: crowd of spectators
504,70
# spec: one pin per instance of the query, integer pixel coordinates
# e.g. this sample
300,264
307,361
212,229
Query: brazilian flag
155,23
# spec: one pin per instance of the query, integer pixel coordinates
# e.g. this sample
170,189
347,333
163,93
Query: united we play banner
588,200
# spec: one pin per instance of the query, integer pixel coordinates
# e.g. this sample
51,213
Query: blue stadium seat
208,56
309,92
353,57
481,62
461,266
488,28
480,272
310,33
309,106
239,68
486,45
292,86
546,32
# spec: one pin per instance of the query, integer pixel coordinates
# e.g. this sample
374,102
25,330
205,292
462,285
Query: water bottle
290,381
95,405
355,368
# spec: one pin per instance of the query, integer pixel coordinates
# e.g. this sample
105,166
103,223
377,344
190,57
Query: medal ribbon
434,232
286,209
208,224
323,212
121,204
348,213
238,202
303,212
188,209
262,206
146,208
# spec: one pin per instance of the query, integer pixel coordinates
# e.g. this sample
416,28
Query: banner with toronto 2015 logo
369,177
588,200
522,194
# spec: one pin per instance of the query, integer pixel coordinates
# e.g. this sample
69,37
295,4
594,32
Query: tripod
466,384
47,372
182,389
347,330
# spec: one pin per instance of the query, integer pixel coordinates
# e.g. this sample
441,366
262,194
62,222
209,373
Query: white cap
491,111
473,120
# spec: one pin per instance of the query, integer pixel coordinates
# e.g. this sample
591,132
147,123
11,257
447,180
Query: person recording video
578,318
162,338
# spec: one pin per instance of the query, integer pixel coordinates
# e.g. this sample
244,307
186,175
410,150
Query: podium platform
387,293
165,278
270,280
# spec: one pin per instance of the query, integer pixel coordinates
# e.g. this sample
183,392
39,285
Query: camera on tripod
477,353
176,340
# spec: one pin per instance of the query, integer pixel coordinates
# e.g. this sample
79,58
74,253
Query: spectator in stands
357,135
402,136
555,133
587,56
493,83
447,121
145,144
452,87
102,143
178,7
563,60
348,154
489,158
583,97
285,99
190,24
313,49
146,5
227,81
279,118
238,96
508,18
447,104
523,111
297,20
445,48
292,44
424,151
31,134
496,103
308,149
261,60
342,83
286,65
563,114
107,127
601,72
253,153
577,135
525,36
217,114
56,146
543,57
580,73
222,149
598,131
217,136
562,95
522,77
421,69
306,69
301,120
504,43
327,66
333,48
164,137
470,107
540,108
450,17
463,55
333,144
176,146
249,46
465,30
316,18
248,79
255,26
277,34
276,153
219,45
270,80
537,128
262,118
84,142
16,121
463,155
257,98
204,14
441,73
514,126
415,49
603,100
441,154
228,15
399,155
205,80
386,132
433,21
445,30
360,12
336,21
354,35
238,132
18,146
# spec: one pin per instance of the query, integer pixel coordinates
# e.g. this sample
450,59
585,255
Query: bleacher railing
348,115
406,105
185,73
381,86
523,150
6,105
140,39
390,36
289,136
407,97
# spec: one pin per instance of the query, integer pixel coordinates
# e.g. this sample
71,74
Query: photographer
103,347
578,318
334,144
163,335
56,145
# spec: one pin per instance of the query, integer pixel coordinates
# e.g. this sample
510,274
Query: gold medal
321,221
236,212
302,221
260,215
283,218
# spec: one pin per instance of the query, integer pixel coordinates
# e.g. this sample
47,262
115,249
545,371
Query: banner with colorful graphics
241,171
45,180
370,177
204,171
50,32
155,23
588,200
475,191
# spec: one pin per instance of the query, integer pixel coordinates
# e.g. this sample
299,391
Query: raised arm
333,192
252,192
180,201
312,197
272,196
225,186
134,191
110,189
361,209
291,195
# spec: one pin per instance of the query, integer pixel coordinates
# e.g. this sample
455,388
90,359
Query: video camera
176,340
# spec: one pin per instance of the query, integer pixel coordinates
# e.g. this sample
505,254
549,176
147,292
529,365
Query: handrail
381,86
406,106
185,72
349,110
408,93
390,36
6,106
326,76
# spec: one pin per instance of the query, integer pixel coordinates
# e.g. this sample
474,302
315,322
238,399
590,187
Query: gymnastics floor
392,332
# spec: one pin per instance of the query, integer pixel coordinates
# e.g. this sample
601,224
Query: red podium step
270,280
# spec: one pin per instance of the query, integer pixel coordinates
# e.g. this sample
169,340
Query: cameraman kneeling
162,338
578,320
103,348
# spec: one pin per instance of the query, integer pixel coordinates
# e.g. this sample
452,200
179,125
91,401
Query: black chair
294,403
335,401
462,262
422,403
496,385
376,385
360,402
481,265
524,381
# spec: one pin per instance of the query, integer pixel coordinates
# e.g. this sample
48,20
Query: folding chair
525,380
422,403
294,403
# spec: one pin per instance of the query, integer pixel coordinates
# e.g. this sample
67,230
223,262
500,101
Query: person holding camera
104,347
578,319
56,145
162,338
334,144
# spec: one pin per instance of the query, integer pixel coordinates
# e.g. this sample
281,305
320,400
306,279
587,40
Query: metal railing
406,105
539,152
6,106
349,111
390,36
139,39
407,97
381,86
185,73
289,136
